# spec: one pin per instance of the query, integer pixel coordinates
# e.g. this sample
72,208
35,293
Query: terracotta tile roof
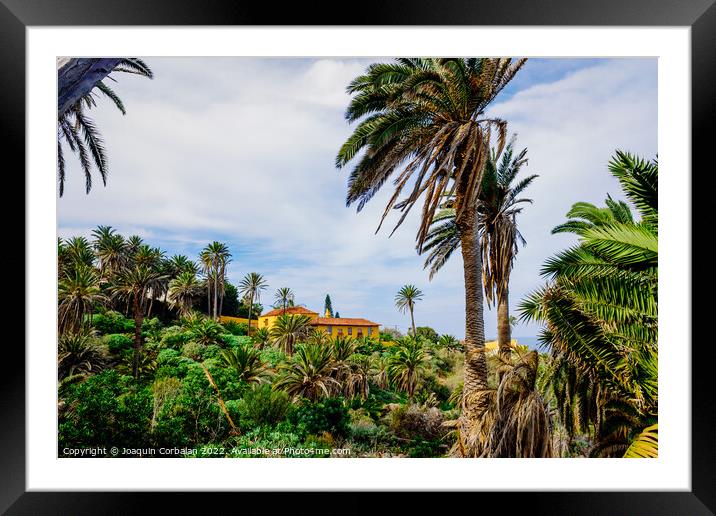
342,321
291,310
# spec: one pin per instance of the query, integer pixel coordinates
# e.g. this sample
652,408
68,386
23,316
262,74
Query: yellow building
491,346
239,320
333,326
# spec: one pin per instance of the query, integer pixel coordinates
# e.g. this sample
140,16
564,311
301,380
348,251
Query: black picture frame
17,15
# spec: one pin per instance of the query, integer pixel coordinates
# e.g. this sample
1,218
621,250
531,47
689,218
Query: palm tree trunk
138,318
216,290
475,376
504,332
251,305
412,322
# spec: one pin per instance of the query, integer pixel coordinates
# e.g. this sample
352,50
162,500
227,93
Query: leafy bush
261,406
112,322
272,356
175,338
192,350
118,342
236,328
107,409
171,363
326,415
211,352
412,421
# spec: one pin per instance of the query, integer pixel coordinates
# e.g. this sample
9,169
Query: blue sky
241,150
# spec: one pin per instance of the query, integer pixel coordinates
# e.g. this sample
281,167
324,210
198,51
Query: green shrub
118,342
175,338
107,409
261,406
112,322
272,356
192,350
211,352
171,363
326,415
236,328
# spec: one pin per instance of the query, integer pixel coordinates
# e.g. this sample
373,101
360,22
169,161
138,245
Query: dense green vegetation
144,363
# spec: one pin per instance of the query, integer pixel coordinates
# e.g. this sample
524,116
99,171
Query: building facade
333,326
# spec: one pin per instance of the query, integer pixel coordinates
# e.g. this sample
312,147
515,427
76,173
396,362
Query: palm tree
288,330
405,367
77,251
183,291
449,342
79,354
405,301
206,332
250,289
261,337
110,248
133,284
601,317
426,117
81,134
584,216
499,205
246,361
78,292
499,236
517,422
308,373
214,258
284,297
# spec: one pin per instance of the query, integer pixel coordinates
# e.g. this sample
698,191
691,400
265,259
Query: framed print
421,244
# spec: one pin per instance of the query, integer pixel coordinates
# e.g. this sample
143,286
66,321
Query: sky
242,150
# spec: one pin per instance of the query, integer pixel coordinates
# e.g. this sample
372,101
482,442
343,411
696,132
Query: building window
360,334
265,322
350,331
368,331
340,332
329,330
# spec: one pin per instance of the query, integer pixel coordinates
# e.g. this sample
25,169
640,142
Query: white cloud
242,150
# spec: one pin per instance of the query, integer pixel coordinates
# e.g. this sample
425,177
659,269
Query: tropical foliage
600,311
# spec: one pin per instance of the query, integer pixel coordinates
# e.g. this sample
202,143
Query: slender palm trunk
251,306
412,321
504,332
216,290
151,302
138,319
475,376
208,295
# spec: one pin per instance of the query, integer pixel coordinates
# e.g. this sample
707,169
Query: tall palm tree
288,330
173,267
499,237
81,134
77,251
133,284
500,202
110,248
426,117
78,293
250,289
601,318
183,291
214,258
405,301
283,297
